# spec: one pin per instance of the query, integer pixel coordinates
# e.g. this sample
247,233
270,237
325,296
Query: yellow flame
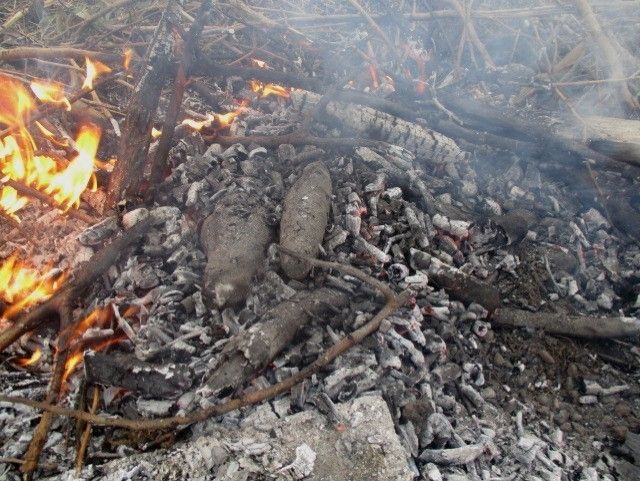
127,55
11,202
50,92
264,90
93,70
23,286
31,360
156,133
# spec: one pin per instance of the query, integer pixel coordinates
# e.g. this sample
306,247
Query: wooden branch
39,436
472,34
393,302
372,23
608,52
48,200
575,326
86,276
143,103
49,53
186,59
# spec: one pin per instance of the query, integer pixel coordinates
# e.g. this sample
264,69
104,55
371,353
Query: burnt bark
305,216
143,103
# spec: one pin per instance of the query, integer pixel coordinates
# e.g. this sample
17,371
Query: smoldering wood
234,238
143,103
428,145
575,326
146,379
253,349
87,274
304,217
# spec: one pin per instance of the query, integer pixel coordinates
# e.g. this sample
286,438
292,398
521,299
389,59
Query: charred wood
575,326
430,146
126,371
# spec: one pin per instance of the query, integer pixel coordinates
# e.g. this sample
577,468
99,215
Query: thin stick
372,23
472,34
53,391
48,53
86,433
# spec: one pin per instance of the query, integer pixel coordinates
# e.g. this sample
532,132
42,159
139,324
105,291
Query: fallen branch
574,326
393,302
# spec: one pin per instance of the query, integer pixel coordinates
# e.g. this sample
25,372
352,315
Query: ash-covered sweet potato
304,217
235,239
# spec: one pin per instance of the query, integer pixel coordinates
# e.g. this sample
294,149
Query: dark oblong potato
235,239
304,217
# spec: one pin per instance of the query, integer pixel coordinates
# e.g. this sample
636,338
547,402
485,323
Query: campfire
259,240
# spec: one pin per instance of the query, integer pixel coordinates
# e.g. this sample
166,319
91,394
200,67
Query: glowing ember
127,55
50,92
93,70
22,286
29,361
264,90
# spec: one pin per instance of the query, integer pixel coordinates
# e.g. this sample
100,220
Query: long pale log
428,145
575,326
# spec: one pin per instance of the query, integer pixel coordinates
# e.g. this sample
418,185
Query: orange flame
264,90
223,120
50,92
93,70
65,182
31,360
127,55
22,286
99,317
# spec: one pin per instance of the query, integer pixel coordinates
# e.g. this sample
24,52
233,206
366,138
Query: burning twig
372,23
393,302
134,143
91,271
186,54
